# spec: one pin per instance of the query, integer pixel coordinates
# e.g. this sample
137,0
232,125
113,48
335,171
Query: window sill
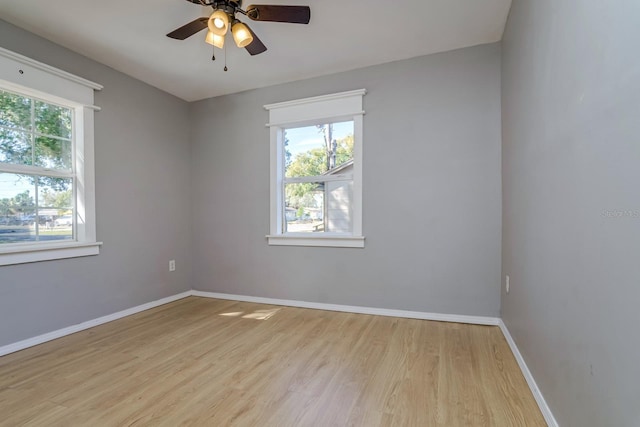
316,240
46,252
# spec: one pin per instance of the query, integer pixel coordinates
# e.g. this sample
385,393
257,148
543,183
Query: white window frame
336,107
37,80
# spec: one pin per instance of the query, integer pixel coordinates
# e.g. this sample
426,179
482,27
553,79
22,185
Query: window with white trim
47,201
316,171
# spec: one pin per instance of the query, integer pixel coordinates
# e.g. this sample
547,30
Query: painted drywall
571,235
142,202
431,199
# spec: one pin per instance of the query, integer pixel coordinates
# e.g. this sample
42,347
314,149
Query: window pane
52,120
53,153
304,207
17,208
15,147
56,214
319,207
15,111
319,149
339,200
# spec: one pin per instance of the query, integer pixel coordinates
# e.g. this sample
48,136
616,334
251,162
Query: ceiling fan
224,18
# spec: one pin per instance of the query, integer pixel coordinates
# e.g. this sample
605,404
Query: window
46,162
316,171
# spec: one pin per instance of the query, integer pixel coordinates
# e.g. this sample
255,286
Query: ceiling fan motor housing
229,6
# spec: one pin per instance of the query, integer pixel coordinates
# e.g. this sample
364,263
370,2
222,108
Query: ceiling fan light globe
214,40
218,23
241,34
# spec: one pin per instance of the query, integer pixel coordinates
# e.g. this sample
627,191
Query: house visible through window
318,183
316,171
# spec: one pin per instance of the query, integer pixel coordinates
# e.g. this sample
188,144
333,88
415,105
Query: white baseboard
476,320
457,318
537,394
30,342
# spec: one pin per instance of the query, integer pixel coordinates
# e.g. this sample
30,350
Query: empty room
320,213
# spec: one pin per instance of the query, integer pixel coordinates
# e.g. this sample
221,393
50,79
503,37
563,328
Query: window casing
47,196
316,183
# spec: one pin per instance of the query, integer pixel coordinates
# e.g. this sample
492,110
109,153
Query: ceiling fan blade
189,29
256,46
278,13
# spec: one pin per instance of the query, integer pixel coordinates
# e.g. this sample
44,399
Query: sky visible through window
10,186
306,138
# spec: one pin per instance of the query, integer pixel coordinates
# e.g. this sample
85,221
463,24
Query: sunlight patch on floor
257,315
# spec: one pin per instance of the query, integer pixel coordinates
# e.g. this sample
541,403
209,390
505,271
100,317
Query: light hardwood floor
208,362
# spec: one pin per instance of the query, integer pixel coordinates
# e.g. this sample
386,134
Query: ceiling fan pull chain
213,54
225,57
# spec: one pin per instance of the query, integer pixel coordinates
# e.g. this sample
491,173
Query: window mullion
33,131
33,162
37,215
44,135
33,170
317,178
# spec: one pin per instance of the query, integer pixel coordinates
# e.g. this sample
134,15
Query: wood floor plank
202,361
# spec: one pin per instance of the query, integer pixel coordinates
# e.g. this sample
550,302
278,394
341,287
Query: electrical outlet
172,265
506,284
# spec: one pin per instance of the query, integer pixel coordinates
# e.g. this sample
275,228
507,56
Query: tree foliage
56,199
314,163
35,133
19,204
24,203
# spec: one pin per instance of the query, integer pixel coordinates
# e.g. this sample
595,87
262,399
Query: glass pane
319,207
319,149
15,147
17,208
15,111
52,120
339,200
53,153
56,213
304,207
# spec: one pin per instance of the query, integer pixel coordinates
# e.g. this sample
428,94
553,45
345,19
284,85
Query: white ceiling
342,35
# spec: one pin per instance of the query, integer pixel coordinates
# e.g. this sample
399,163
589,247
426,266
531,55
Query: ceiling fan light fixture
222,20
218,23
215,40
241,34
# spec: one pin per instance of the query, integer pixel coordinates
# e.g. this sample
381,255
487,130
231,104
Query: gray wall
571,235
143,206
432,195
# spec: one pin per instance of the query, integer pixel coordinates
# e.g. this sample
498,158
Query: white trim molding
300,111
40,339
343,106
49,69
32,79
30,342
310,239
537,394
47,252
440,317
